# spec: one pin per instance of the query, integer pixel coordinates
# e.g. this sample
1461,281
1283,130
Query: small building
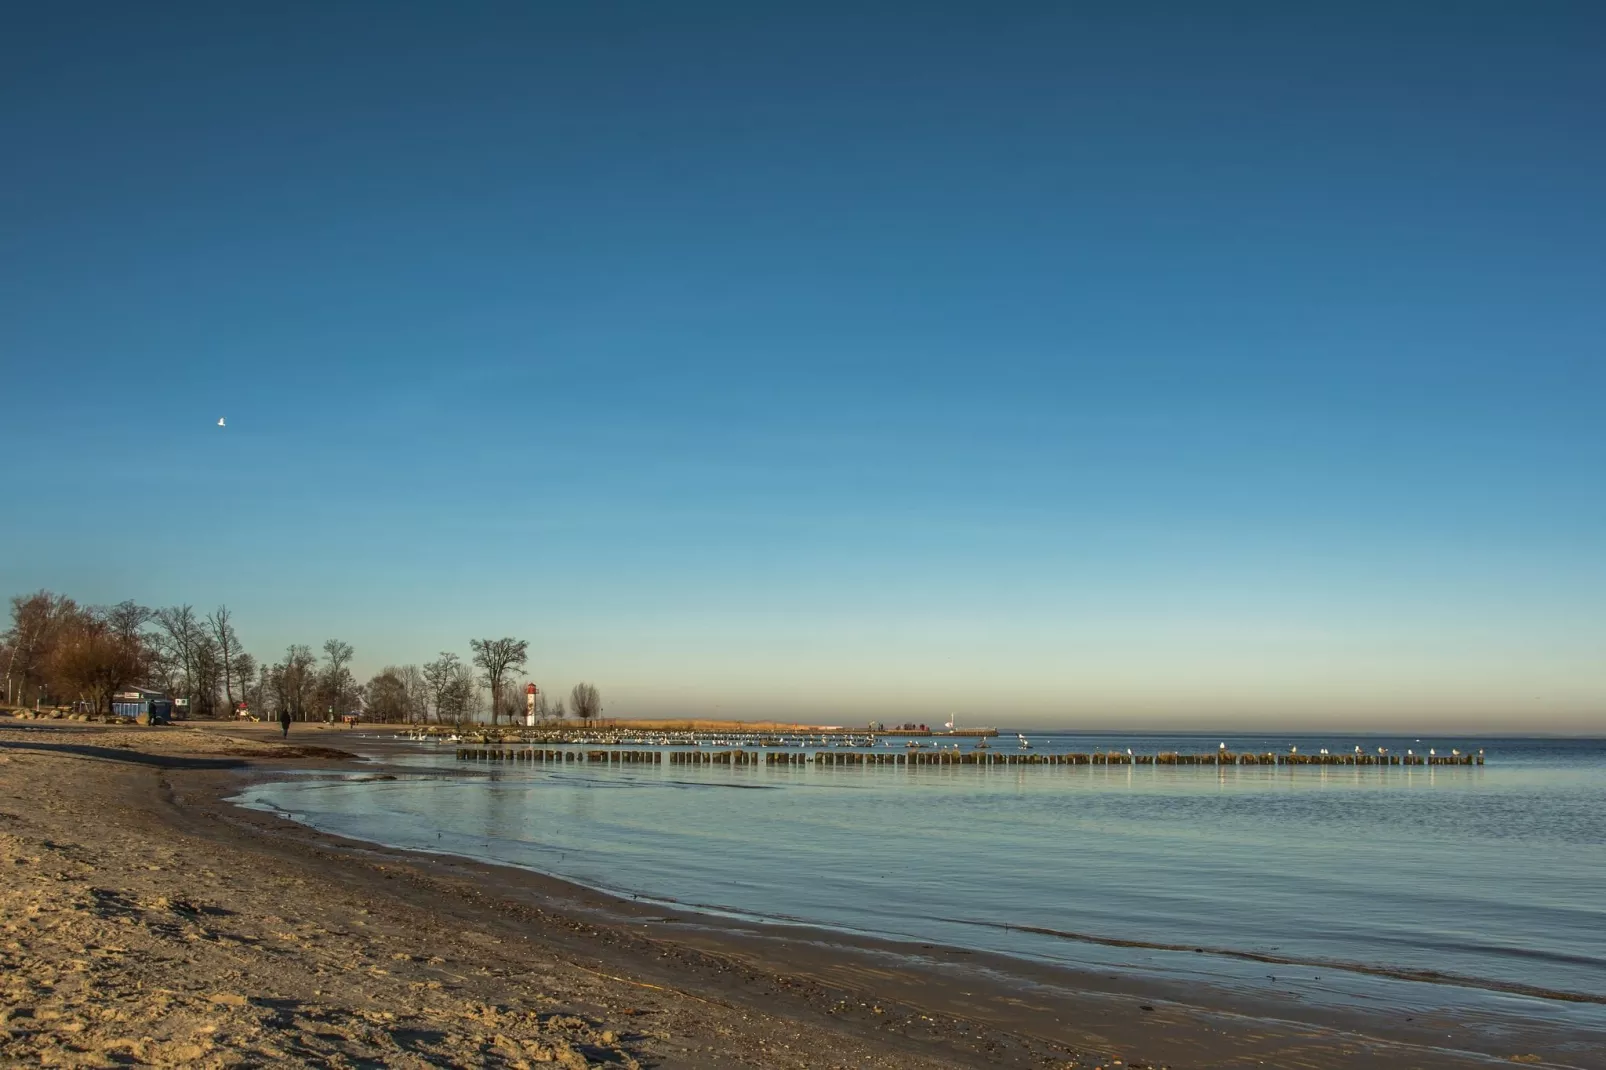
143,704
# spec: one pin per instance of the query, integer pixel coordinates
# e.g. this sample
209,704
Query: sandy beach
146,921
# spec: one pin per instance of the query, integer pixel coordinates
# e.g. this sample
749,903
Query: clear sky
1084,364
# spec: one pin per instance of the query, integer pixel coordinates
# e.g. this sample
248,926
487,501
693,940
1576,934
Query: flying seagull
220,422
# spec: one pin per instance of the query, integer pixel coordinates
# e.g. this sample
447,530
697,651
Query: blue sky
1097,365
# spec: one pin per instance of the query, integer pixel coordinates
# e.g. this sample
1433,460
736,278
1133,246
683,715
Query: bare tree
208,675
270,690
438,676
245,671
54,647
337,689
498,658
512,703
586,701
338,654
413,683
463,695
295,684
128,619
35,621
164,670
182,636
385,696
221,628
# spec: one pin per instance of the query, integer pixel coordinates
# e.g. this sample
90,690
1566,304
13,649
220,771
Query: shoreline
901,943
1015,972
754,993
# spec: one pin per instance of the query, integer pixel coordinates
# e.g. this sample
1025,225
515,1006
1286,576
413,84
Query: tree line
57,652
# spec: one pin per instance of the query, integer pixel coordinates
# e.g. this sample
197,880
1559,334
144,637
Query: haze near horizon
1138,367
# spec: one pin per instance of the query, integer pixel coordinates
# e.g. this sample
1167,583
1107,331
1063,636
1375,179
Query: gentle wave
1386,881
1395,972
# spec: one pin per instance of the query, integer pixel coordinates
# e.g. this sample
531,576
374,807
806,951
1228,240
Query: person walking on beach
284,722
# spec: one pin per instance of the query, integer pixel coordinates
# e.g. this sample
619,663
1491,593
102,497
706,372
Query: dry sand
137,931
144,921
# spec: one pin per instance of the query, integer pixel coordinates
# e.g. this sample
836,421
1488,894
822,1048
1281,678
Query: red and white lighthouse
530,692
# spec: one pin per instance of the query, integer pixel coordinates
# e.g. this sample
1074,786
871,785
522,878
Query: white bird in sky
220,422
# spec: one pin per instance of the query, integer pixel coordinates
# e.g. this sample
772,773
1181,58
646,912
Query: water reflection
1489,872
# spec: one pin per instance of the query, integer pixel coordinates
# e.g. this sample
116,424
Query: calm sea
1338,885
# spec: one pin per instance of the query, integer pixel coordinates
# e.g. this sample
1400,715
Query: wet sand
145,920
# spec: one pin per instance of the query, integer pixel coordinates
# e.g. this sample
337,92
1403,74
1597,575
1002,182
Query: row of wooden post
938,757
527,754
952,757
714,757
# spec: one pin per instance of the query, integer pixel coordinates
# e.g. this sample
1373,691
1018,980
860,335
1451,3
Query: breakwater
950,757
534,754
802,738
1118,758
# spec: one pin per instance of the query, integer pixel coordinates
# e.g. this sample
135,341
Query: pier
949,757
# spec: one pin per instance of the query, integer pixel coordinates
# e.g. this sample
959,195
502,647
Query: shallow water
1330,884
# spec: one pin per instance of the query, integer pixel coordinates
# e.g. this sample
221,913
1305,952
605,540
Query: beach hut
143,704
